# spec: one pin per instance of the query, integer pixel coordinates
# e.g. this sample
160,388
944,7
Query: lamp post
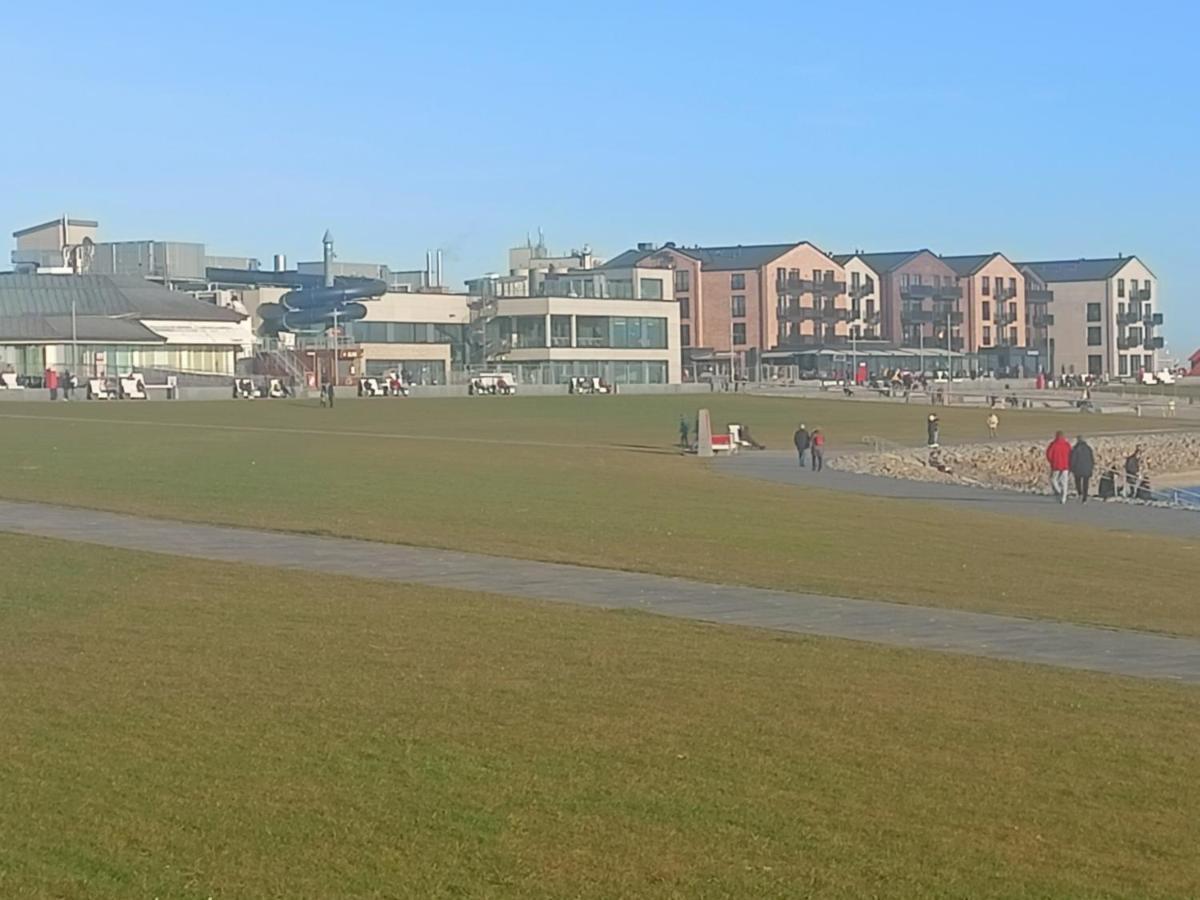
334,335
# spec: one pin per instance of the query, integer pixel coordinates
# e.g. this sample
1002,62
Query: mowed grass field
180,729
595,481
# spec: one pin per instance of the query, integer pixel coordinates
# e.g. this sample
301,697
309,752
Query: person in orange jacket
818,450
1058,454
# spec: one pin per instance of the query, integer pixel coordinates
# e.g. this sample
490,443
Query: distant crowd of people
1078,463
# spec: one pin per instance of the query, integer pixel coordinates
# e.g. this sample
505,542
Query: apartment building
1105,315
1039,316
993,293
910,298
736,302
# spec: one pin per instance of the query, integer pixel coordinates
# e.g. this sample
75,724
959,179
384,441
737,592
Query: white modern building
426,335
1106,315
548,340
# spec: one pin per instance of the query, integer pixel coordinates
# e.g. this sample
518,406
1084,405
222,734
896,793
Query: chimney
327,243
280,262
439,268
645,245
428,268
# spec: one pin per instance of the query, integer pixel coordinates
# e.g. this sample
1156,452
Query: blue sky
1042,130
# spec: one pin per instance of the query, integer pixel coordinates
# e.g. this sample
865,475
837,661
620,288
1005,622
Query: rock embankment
1021,465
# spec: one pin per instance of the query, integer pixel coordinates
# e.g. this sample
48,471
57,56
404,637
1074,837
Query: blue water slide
315,308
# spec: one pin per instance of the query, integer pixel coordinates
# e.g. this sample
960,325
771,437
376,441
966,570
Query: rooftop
968,265
108,296
88,329
1078,269
881,263
54,223
714,259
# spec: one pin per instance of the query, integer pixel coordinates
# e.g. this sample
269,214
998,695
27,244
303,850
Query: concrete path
780,466
998,637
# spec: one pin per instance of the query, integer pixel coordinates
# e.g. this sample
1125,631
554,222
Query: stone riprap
1021,465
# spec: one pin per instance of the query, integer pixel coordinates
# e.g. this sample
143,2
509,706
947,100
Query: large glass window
591,331
529,331
408,332
737,305
560,331
650,288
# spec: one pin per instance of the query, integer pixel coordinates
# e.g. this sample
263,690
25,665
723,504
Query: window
650,288
1146,284
987,334
621,332
903,279
1012,312
737,281
1148,362
737,305
1120,309
870,307
1120,287
685,335
739,333
855,279
560,331
683,281
870,283
1093,312
1095,364
987,310
987,286
1124,364
1134,336
1013,339
1012,286
685,308
1094,338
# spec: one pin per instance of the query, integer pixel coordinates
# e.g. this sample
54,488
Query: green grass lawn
605,490
180,729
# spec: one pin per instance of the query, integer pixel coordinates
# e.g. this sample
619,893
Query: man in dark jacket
1083,464
802,442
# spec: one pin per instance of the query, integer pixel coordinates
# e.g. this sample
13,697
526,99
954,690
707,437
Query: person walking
1058,454
1133,468
932,430
993,424
818,450
683,432
802,442
1083,464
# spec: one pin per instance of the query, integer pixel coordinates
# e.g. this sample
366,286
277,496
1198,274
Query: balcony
1152,320
931,291
862,290
1044,320
942,315
826,287
1154,343
789,284
1124,343
826,312
1038,296
1003,294
1139,295
912,315
1129,318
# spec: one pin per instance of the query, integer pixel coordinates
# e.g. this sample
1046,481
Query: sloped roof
741,256
79,223
87,329
882,263
968,265
1078,269
103,295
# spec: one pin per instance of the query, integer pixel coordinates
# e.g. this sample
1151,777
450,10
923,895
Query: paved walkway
998,637
780,466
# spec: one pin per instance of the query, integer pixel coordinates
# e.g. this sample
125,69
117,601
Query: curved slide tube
312,309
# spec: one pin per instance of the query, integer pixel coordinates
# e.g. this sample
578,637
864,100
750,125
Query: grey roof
882,263
1078,269
103,295
968,265
82,223
741,256
89,329
714,259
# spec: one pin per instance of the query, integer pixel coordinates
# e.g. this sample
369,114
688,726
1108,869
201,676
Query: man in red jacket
1058,454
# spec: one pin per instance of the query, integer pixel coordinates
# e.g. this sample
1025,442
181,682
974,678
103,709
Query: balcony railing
1045,320
1129,318
1038,296
941,316
931,291
1151,320
797,285
1153,343
862,290
1139,294
1127,343
915,315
